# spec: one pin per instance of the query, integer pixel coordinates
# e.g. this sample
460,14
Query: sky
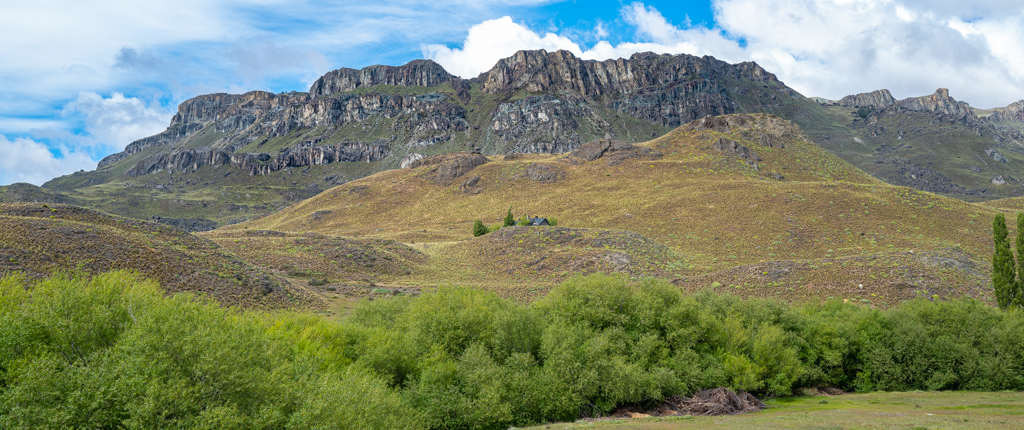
80,80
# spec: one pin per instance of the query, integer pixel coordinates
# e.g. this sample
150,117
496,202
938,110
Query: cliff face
259,163
940,103
547,102
879,99
424,73
537,71
1013,112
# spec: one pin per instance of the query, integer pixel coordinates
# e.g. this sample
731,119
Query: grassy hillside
726,220
40,239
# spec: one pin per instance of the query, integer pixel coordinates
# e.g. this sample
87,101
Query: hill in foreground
40,239
744,202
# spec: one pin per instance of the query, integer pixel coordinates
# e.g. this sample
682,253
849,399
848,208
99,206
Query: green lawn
913,410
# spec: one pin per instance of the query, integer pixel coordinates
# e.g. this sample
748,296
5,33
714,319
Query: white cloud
490,41
25,160
827,48
832,48
117,120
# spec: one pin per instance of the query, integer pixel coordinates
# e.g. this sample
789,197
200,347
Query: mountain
744,203
933,143
227,158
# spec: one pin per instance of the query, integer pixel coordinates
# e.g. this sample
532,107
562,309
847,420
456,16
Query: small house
539,221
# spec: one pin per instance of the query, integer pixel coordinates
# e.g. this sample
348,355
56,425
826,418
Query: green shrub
479,229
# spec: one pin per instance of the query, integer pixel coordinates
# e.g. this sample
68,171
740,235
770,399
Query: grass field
914,410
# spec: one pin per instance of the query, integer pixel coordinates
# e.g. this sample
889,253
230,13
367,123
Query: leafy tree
479,229
510,219
524,221
553,221
1003,265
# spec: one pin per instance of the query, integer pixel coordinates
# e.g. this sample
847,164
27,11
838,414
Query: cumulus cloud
117,120
828,48
25,160
491,41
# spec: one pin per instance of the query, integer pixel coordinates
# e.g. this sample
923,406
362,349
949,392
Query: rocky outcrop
541,172
409,159
537,71
733,147
259,163
995,155
187,224
1013,112
449,167
540,124
940,103
614,150
879,99
180,160
424,73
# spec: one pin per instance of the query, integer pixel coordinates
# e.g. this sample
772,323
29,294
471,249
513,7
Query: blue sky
80,80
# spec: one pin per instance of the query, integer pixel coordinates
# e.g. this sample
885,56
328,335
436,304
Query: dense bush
479,229
112,351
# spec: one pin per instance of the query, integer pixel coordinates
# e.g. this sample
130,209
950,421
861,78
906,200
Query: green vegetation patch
112,349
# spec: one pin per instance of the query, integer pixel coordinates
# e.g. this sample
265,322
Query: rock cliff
940,103
259,163
1013,112
879,99
543,102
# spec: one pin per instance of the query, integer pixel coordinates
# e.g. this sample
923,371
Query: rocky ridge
561,95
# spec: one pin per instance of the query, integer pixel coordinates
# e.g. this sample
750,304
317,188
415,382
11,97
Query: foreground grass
909,410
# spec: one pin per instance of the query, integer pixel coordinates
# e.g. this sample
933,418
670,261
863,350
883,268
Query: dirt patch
716,401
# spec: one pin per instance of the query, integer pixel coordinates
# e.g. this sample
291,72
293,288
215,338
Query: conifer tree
1017,293
1003,265
479,229
510,220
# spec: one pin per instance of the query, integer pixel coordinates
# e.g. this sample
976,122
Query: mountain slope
730,197
933,143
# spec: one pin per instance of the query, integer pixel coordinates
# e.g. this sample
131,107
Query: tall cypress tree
1017,293
1003,265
